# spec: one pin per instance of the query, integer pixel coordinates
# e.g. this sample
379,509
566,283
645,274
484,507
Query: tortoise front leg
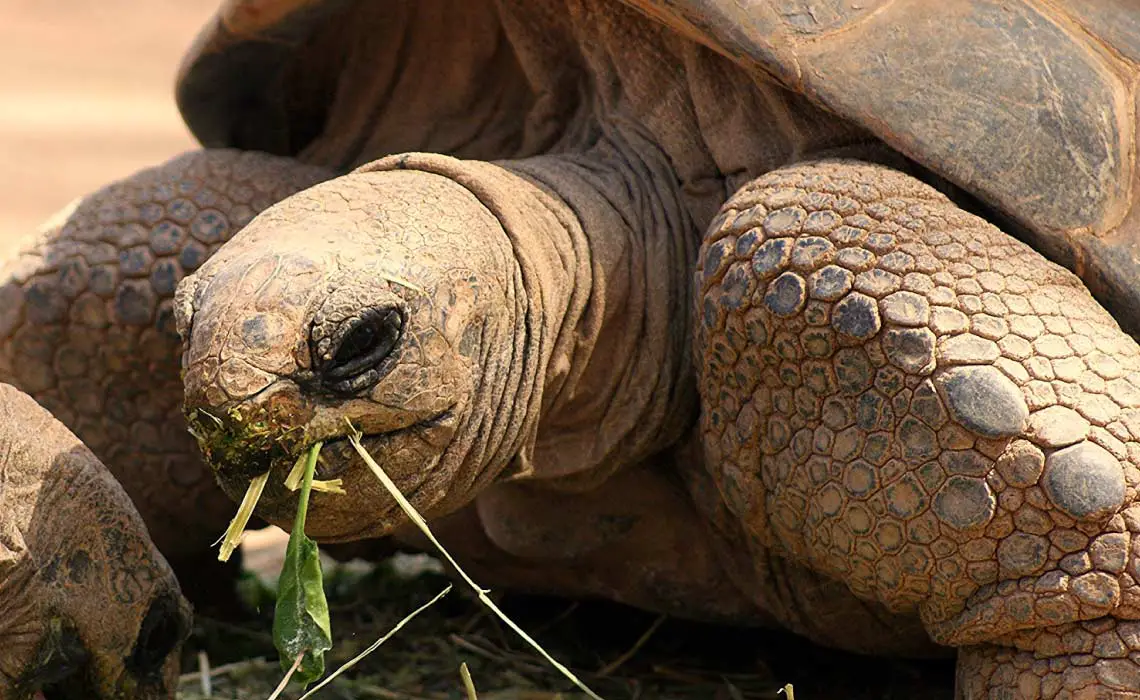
899,396
86,327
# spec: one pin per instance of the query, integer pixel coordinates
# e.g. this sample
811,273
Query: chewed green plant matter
222,438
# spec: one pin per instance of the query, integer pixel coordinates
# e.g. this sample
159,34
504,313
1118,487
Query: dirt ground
86,96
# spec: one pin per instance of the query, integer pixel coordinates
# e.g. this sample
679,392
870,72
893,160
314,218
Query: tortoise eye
364,345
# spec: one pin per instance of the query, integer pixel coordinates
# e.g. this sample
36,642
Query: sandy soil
86,96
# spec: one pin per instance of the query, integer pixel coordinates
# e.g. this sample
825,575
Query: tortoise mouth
337,459
344,456
239,447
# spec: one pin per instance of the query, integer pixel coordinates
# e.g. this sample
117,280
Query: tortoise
88,606
813,315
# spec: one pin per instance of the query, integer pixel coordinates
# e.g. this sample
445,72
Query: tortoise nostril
161,631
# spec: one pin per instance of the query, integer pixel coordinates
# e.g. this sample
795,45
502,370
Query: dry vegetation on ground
606,644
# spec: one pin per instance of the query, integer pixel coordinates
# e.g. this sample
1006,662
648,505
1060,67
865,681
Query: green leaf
301,619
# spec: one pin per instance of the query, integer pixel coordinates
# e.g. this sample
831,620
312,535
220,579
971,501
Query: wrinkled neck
617,386
597,371
547,258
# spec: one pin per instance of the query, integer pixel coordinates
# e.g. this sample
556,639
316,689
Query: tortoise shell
1028,106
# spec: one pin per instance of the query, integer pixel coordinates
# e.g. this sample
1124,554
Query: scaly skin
86,328
900,396
88,606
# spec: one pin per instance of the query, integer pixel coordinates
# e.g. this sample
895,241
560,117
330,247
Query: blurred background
86,96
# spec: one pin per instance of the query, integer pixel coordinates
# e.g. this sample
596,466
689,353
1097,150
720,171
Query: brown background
86,96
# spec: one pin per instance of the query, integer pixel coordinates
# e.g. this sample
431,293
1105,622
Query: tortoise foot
1101,661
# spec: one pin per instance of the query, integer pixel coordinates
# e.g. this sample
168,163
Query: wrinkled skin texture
689,360
895,396
88,606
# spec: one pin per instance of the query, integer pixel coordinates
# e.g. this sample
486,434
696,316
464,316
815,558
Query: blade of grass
232,538
329,486
204,674
397,280
376,645
297,473
405,505
285,681
468,683
632,651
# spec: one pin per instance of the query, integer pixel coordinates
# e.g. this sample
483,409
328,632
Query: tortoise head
382,302
88,606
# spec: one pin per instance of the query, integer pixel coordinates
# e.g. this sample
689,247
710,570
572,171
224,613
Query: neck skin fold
600,372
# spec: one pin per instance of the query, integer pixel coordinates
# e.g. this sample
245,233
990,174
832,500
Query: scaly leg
86,329
899,396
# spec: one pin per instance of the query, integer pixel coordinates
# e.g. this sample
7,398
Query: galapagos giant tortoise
699,305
